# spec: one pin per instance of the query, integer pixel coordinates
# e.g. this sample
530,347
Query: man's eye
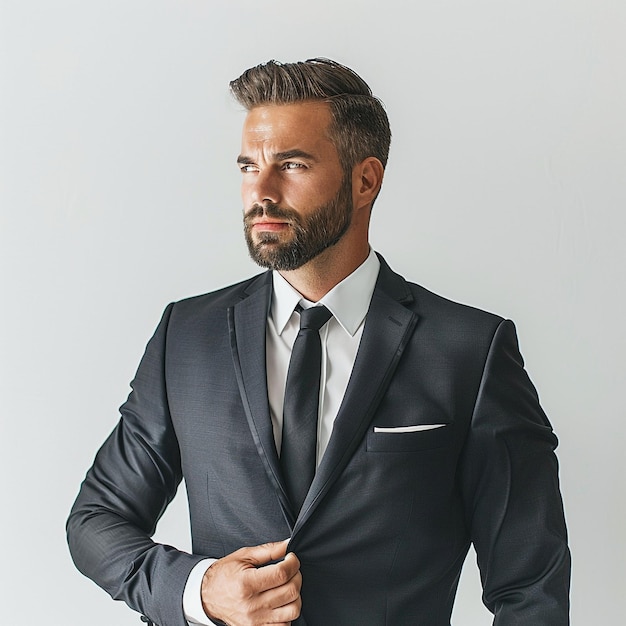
291,165
244,168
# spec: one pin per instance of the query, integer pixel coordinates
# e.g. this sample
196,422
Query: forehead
302,122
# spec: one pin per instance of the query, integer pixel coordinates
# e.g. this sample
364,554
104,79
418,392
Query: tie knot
314,317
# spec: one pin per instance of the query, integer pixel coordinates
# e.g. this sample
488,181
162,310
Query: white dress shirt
348,301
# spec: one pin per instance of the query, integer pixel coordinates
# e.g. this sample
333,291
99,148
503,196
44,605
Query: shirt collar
348,301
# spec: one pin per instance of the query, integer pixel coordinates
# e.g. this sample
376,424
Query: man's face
297,202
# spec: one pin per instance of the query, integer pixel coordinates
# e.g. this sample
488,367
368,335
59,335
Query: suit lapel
247,324
388,327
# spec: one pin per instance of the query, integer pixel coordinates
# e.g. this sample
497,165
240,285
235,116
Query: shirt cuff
192,599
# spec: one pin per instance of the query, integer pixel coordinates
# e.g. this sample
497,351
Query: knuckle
293,611
243,587
282,576
290,596
294,589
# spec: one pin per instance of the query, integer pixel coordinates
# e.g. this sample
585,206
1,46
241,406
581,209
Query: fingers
265,553
282,604
248,588
276,574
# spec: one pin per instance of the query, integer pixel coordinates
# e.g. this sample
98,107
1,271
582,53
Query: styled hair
359,126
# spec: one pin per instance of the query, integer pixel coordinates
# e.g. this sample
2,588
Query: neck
317,277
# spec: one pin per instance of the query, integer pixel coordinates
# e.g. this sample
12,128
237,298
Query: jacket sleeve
512,499
134,477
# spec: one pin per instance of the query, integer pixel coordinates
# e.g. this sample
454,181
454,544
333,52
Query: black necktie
299,444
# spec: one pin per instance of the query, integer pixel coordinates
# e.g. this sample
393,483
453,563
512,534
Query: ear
367,177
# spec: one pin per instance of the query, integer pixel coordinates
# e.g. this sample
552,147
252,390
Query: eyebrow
280,156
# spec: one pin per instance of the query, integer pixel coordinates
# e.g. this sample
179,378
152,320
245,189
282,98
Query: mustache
273,211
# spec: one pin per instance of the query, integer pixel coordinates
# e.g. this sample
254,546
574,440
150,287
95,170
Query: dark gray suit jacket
389,517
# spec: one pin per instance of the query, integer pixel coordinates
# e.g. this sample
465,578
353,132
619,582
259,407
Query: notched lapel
247,322
388,327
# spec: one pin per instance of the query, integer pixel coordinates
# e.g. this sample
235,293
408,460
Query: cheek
311,193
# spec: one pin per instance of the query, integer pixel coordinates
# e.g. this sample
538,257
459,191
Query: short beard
311,235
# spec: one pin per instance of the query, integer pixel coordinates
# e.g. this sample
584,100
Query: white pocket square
407,429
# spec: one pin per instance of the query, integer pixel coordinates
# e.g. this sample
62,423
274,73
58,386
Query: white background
118,190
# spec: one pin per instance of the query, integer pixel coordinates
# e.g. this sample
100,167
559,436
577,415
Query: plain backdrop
119,193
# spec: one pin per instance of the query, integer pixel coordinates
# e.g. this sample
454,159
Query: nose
262,188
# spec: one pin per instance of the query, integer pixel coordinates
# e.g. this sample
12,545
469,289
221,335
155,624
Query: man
426,433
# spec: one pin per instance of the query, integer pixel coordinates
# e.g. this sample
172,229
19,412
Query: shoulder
222,299
432,305
443,325
208,312
429,305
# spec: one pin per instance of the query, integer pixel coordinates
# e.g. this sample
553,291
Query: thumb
266,552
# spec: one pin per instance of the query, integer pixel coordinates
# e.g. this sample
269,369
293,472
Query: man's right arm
133,478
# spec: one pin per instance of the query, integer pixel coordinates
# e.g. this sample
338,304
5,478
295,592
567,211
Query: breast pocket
411,438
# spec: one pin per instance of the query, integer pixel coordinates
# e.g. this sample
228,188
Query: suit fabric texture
390,515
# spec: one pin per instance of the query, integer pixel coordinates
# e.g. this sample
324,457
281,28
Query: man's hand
237,590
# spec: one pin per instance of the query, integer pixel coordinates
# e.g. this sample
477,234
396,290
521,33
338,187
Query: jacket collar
388,327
